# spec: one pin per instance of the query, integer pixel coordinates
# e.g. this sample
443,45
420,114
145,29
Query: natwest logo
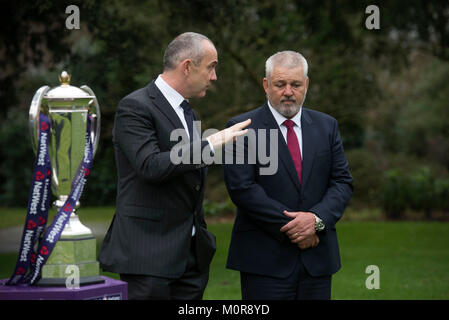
44,126
44,251
31,225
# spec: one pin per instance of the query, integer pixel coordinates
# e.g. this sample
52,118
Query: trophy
70,111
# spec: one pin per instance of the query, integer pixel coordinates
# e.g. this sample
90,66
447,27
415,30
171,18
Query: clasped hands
301,230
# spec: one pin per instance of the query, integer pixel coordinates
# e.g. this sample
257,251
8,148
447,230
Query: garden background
388,88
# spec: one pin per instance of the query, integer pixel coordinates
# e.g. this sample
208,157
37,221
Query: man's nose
288,91
213,76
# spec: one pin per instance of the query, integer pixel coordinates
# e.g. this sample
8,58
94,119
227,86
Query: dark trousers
300,285
190,286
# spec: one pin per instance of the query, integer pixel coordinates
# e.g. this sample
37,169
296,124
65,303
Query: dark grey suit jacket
158,201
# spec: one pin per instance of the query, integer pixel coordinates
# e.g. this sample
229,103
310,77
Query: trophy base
62,282
73,260
74,228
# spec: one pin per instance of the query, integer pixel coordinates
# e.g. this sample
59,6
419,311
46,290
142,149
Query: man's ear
265,85
186,66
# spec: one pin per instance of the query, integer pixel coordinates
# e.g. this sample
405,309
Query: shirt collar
280,118
173,97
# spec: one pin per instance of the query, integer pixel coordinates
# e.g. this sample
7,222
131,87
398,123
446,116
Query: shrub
421,191
394,194
17,159
442,194
365,171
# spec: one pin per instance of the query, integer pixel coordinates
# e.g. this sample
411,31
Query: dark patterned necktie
188,115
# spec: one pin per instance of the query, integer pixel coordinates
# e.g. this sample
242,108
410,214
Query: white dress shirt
296,119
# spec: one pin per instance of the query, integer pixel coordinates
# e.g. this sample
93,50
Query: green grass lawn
413,261
412,257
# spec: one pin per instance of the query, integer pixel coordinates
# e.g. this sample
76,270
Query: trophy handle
34,115
96,123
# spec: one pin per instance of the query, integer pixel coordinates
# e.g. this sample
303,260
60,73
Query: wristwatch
319,224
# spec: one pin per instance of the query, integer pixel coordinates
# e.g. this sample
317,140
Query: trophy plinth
69,109
69,252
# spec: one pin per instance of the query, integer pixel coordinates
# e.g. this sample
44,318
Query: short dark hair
188,45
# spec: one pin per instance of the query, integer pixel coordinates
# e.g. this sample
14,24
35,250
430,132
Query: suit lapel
164,106
309,138
284,153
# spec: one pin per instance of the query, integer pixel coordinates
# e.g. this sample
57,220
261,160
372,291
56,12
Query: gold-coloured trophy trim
64,78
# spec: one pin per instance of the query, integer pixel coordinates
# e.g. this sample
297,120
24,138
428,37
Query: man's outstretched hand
229,134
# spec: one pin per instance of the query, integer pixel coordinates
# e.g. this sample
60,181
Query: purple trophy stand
110,289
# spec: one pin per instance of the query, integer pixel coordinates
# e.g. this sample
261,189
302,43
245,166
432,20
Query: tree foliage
387,87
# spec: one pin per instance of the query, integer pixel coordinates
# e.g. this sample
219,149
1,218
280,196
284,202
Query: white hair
288,59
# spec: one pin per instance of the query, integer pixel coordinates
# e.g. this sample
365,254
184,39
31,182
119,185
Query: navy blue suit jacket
257,244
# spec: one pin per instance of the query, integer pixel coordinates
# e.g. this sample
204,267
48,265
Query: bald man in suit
158,240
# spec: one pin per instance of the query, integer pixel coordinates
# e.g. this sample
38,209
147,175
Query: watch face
319,226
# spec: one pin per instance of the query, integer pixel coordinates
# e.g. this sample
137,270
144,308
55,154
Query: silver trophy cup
68,109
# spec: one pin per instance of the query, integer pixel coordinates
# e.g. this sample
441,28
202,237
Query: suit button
197,187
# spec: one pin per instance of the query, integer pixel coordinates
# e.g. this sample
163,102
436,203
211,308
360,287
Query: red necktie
293,146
